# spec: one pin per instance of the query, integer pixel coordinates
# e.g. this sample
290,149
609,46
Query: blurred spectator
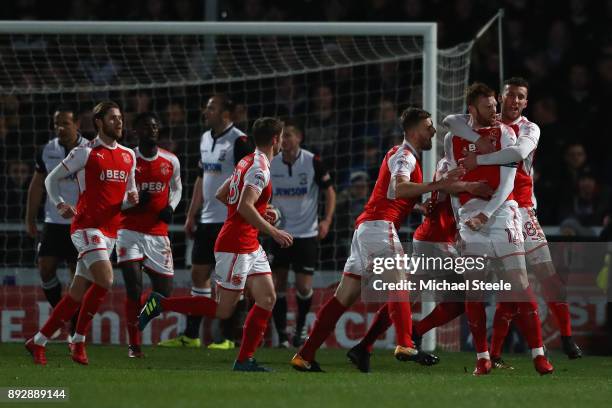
241,117
553,135
15,190
290,100
87,128
571,227
590,203
580,107
99,67
322,124
575,163
349,205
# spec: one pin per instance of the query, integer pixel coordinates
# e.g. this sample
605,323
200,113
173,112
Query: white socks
483,355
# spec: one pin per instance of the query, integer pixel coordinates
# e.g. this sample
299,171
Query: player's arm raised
246,208
458,125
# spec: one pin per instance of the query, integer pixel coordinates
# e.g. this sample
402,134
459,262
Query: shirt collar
259,152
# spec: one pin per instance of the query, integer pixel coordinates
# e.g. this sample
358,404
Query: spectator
290,100
322,124
590,203
15,190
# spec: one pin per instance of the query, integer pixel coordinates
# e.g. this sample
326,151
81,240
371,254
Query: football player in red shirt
240,259
142,241
105,173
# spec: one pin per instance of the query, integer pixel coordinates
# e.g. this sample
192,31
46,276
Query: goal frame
426,30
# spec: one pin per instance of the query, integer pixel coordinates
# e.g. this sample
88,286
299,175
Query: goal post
157,65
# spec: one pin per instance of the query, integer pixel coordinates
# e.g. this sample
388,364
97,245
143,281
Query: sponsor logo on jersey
212,167
113,175
153,186
291,192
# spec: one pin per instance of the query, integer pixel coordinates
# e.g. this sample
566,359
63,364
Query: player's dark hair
101,109
412,116
67,109
294,124
227,104
141,117
518,82
264,129
475,91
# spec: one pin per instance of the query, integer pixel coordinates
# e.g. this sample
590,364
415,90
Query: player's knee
266,301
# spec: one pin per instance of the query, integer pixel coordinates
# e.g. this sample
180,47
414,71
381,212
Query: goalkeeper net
346,92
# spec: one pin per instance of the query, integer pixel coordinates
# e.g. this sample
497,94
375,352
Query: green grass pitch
172,378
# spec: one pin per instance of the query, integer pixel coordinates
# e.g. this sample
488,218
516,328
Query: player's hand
282,238
66,210
480,189
132,197
31,228
477,222
323,228
189,227
469,161
484,145
428,207
451,177
165,215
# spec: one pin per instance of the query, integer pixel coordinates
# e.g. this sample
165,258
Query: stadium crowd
566,57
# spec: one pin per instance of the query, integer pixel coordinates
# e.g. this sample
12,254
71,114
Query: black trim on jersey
242,148
219,136
290,165
320,172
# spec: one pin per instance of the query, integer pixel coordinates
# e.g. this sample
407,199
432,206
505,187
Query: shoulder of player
168,155
528,125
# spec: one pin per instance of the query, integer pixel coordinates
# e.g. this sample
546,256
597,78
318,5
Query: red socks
443,313
401,316
552,290
477,321
61,313
530,324
327,317
132,309
254,330
379,325
92,300
190,305
504,313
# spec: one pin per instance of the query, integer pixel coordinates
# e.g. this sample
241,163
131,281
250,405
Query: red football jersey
238,236
104,174
501,136
400,160
440,225
523,182
159,175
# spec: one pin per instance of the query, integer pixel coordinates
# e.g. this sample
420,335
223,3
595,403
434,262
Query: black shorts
302,256
55,241
203,252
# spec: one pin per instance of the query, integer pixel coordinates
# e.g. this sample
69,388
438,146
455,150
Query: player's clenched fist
66,210
477,222
132,197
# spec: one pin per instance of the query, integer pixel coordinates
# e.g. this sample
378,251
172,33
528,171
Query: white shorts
232,270
153,250
441,250
536,245
501,238
92,246
370,240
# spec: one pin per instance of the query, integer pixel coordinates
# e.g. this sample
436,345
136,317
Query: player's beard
484,120
112,132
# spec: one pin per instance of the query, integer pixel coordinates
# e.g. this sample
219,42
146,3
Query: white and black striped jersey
47,158
295,192
219,154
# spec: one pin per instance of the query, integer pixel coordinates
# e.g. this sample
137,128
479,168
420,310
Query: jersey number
234,192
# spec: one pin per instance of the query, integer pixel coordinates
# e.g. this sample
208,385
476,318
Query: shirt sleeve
458,125
176,187
402,164
256,178
321,175
52,183
39,163
76,159
242,147
527,142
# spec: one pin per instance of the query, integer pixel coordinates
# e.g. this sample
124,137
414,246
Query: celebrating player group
481,202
